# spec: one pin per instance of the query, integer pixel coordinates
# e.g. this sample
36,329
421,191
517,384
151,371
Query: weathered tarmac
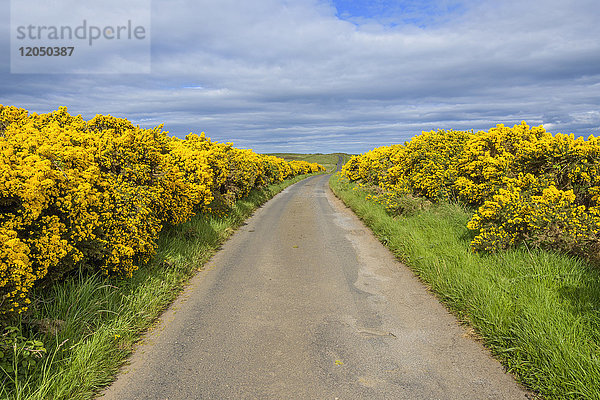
303,302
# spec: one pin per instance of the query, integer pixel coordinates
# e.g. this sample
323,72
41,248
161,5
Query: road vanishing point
303,302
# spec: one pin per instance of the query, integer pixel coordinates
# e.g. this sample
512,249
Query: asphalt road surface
340,163
304,303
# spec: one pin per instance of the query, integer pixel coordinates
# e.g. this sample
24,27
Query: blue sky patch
393,13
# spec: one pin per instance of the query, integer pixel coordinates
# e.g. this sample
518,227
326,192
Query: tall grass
89,323
538,311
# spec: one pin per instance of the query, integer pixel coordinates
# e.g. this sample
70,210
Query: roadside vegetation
101,223
502,226
89,323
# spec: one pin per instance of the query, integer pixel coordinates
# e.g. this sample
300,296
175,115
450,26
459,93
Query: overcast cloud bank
316,76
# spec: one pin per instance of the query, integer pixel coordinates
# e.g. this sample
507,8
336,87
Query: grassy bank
90,323
538,312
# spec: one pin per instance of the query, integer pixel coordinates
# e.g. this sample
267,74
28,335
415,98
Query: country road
339,164
304,303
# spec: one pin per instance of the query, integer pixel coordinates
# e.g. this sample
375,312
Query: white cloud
291,75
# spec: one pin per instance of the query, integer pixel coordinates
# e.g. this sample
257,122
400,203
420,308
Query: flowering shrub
97,193
528,184
551,220
373,166
427,167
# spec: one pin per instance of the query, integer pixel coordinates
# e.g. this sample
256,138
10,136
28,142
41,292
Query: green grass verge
99,319
329,161
538,311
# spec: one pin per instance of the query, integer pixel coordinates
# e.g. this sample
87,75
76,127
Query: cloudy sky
340,75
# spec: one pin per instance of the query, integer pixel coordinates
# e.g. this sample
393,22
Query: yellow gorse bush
527,184
97,193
